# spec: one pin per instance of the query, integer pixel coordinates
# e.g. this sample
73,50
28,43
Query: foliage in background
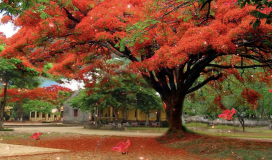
119,92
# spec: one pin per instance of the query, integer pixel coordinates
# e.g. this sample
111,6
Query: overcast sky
8,30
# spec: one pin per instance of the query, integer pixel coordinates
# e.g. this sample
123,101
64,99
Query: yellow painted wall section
131,115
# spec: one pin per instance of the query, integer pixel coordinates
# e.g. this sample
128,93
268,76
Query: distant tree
120,92
14,74
38,99
147,100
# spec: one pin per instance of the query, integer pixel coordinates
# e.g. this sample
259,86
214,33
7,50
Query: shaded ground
220,147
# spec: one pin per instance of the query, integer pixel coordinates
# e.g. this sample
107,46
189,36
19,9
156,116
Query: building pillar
111,113
35,118
30,116
40,115
46,116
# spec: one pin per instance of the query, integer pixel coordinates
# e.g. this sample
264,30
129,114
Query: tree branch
70,16
198,67
162,79
240,67
165,14
170,74
126,53
204,83
110,48
151,80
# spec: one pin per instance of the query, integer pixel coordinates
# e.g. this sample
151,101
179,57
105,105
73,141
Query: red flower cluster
227,114
36,136
122,147
270,90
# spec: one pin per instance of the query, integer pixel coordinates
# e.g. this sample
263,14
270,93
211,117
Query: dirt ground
99,148
91,145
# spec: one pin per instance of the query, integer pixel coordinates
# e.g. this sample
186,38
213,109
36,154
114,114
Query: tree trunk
160,118
242,123
270,124
256,113
147,119
115,114
174,113
21,116
2,107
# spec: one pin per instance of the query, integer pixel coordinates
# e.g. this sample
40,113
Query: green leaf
75,8
45,1
212,13
122,45
43,15
243,4
187,18
117,45
256,24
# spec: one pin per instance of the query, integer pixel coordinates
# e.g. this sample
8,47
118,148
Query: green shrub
7,117
165,124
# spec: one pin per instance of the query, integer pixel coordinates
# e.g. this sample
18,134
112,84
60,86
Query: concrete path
81,130
15,150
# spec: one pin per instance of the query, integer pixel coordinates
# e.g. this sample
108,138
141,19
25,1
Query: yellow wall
152,116
131,115
38,116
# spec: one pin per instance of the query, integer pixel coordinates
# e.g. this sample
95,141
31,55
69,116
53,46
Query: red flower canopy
227,114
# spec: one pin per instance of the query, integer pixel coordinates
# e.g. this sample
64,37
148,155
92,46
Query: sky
8,30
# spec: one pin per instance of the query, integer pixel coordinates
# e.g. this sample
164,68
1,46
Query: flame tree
171,44
38,99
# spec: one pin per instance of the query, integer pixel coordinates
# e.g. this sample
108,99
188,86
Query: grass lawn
201,128
6,129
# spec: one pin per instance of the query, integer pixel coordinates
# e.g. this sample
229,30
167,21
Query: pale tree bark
257,116
3,104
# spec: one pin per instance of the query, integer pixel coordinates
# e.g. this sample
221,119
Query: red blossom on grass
227,114
122,147
270,90
36,136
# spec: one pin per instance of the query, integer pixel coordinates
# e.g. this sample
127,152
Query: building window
75,112
32,114
49,115
43,115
